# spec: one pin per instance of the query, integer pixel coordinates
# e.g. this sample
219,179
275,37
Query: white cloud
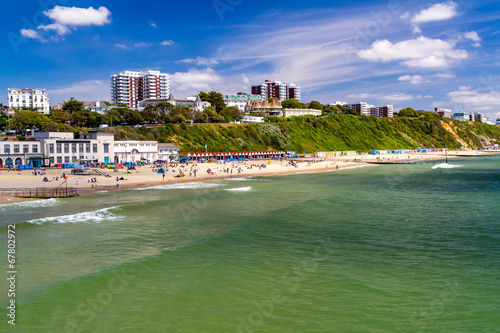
153,24
361,96
473,36
420,52
93,90
195,80
428,96
121,46
443,76
167,42
30,33
73,16
414,79
397,97
200,61
245,79
142,44
465,95
436,12
67,18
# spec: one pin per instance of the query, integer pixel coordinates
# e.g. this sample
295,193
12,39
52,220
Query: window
58,149
106,148
87,148
73,158
6,149
51,160
34,149
66,148
51,148
59,159
94,147
16,149
73,148
66,159
26,149
80,148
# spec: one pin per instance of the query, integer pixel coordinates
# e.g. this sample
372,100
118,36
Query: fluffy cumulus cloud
420,52
195,80
474,98
436,12
167,42
398,97
473,36
66,19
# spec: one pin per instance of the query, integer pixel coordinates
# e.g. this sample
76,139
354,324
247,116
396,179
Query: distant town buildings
462,116
92,106
446,113
190,101
29,98
281,90
366,109
128,150
242,100
274,108
131,87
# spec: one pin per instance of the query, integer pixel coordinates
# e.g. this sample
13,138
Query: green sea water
402,248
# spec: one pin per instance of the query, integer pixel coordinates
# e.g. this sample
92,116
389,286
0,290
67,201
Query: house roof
168,146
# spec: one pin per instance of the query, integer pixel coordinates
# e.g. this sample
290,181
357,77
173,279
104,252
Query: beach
147,175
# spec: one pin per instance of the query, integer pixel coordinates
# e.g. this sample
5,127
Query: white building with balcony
242,100
130,87
29,98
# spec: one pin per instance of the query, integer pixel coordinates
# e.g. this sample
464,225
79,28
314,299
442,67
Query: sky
405,53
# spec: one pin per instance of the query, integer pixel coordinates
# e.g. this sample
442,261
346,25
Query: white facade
301,112
167,151
130,87
241,100
61,147
128,150
29,98
462,116
16,153
252,119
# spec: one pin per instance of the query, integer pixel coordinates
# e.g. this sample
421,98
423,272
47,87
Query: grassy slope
341,132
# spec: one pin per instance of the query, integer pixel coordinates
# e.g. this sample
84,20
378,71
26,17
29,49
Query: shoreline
144,177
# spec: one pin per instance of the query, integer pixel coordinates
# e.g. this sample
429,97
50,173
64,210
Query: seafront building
190,101
130,87
241,100
280,90
167,151
129,150
446,113
29,98
62,147
14,153
274,108
462,116
366,109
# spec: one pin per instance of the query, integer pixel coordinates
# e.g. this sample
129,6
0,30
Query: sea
390,248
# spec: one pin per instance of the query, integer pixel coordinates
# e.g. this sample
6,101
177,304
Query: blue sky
411,53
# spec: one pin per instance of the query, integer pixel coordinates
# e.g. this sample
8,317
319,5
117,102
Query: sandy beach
145,176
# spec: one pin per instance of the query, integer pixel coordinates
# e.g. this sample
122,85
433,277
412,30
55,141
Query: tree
72,106
231,113
214,98
60,117
292,103
409,112
25,119
4,120
316,105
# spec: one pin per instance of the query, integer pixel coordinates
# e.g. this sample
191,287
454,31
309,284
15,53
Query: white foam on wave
446,166
181,186
31,204
240,189
95,216
241,179
354,167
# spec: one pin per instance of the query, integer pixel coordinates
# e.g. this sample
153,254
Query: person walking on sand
164,176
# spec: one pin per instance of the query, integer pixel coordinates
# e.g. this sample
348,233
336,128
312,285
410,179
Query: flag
205,146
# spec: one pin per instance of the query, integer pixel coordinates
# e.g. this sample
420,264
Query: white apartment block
128,150
242,100
29,98
131,87
280,90
61,147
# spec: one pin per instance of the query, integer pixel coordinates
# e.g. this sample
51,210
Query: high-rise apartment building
131,87
29,98
366,109
281,90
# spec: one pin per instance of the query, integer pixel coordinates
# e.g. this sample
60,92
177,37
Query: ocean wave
354,167
241,179
239,189
31,204
446,166
95,216
181,186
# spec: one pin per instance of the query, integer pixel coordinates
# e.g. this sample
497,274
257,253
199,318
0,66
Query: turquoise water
381,249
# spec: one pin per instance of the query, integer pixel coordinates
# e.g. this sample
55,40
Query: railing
40,192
